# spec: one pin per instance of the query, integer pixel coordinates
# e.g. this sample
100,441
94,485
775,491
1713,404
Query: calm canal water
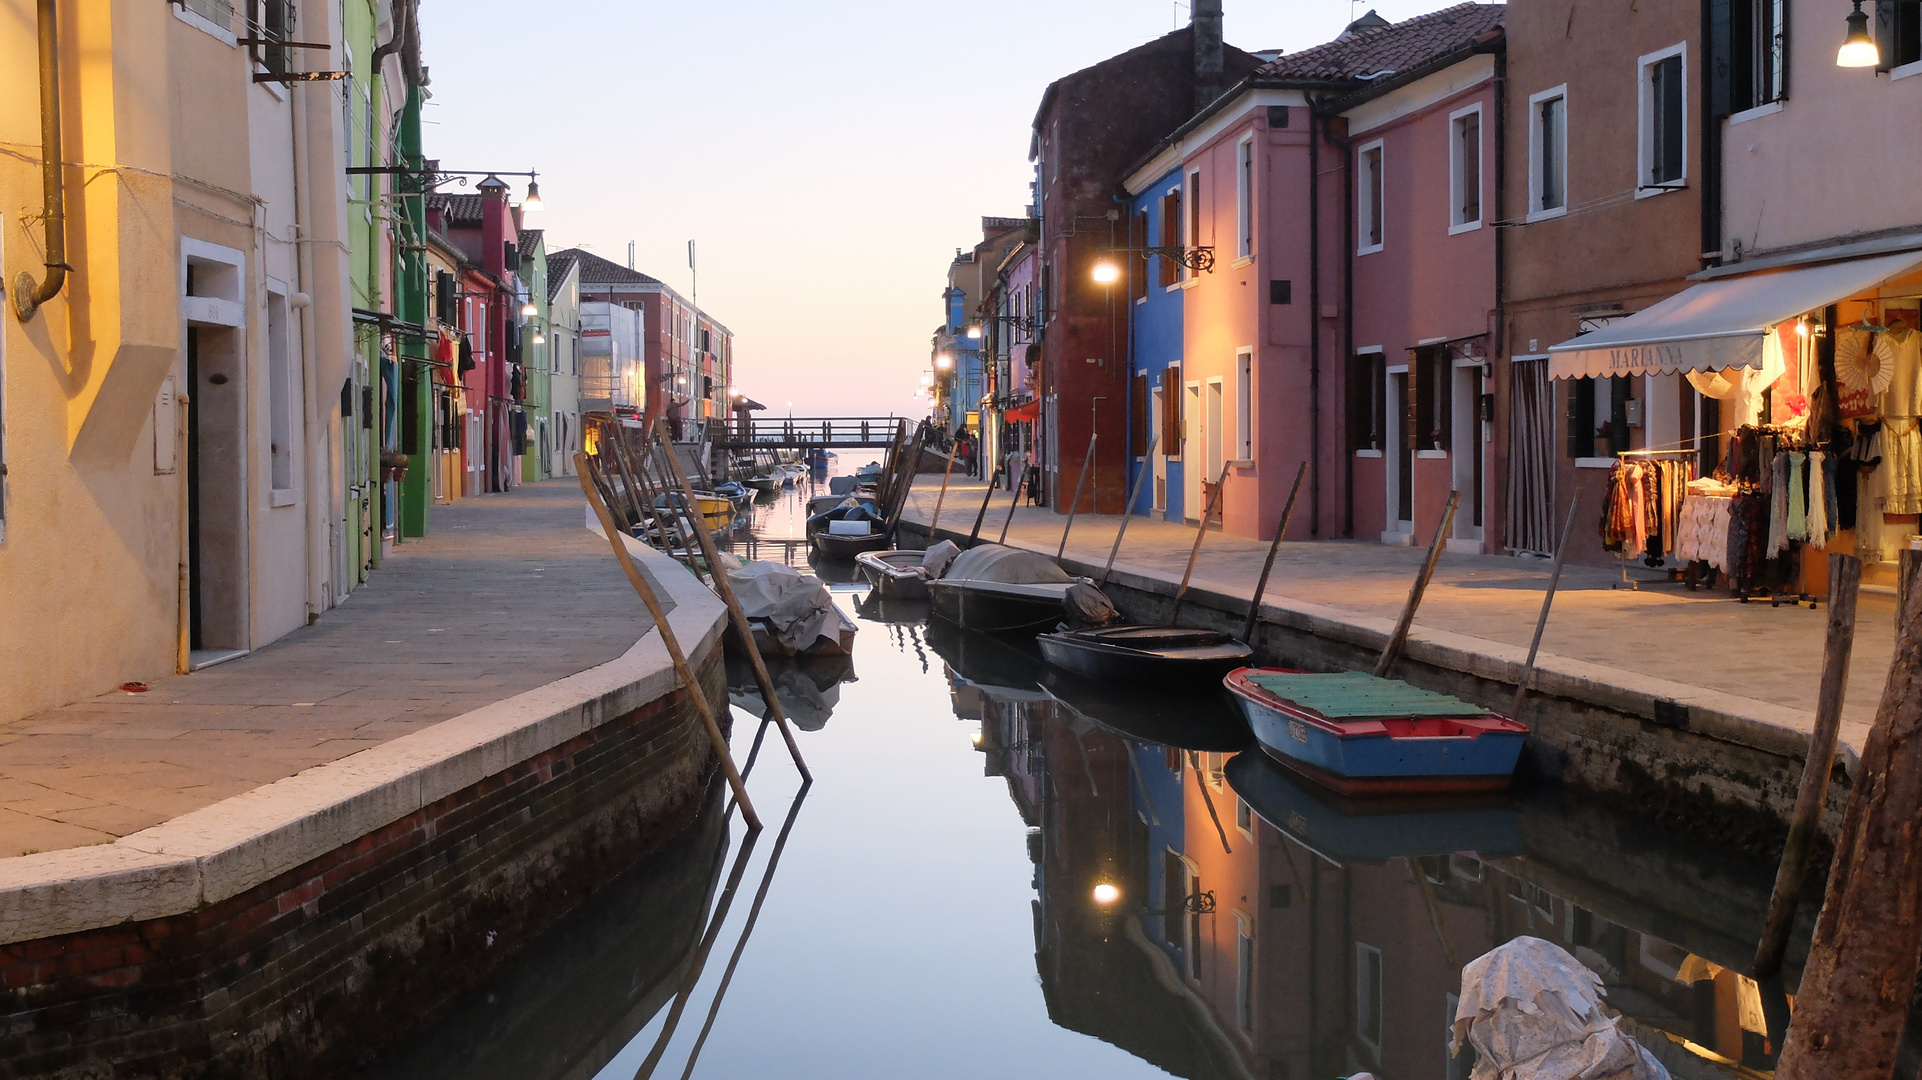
927,908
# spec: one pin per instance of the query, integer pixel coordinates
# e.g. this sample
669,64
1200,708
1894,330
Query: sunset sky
828,157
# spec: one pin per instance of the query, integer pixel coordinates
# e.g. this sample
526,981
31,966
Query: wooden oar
1541,621
1181,594
681,666
1261,583
1392,651
1128,511
1075,507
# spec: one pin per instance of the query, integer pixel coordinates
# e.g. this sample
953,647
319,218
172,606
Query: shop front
1756,422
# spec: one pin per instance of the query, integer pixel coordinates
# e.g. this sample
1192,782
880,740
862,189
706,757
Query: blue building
1155,353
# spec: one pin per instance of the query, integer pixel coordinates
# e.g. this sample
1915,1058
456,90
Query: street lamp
974,333
1106,273
528,310
1858,47
1106,894
532,203
944,361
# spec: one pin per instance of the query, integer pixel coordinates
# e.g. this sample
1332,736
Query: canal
928,907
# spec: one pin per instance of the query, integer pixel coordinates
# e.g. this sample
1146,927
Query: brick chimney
1206,27
493,193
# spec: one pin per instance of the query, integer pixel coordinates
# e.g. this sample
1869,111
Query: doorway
1399,456
1191,437
1465,450
216,485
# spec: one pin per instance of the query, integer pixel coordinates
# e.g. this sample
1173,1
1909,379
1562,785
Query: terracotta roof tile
598,271
1373,50
461,211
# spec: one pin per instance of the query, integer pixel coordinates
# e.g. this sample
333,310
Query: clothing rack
1672,574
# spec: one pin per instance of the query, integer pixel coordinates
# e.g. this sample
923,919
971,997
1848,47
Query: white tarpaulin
796,609
1718,325
1533,1012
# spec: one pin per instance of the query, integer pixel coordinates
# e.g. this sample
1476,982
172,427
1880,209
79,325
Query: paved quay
1752,661
510,593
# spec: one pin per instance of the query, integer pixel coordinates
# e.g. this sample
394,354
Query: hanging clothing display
1642,516
1819,510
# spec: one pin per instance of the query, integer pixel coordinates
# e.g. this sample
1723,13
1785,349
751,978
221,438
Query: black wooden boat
838,546
1145,653
896,575
1007,590
1187,718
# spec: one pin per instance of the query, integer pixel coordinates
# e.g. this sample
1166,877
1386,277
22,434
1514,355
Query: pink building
1341,272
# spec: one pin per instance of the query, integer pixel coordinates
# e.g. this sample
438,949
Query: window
1174,879
1434,399
1367,404
276,21
1664,121
1244,973
1368,198
1598,416
1170,235
1368,996
1138,417
1193,237
1171,415
1751,63
1245,198
1899,26
1245,405
218,12
1465,170
280,396
1137,269
1548,153
1245,818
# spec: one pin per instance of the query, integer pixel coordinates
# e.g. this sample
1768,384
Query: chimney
1206,27
493,226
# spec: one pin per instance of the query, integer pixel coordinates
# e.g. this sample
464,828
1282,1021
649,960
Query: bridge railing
827,431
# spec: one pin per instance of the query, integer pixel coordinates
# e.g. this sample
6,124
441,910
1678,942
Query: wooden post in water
1181,594
1128,511
935,521
1853,1002
1075,507
1392,651
1845,578
681,666
986,498
737,615
904,484
1261,583
1541,621
1012,505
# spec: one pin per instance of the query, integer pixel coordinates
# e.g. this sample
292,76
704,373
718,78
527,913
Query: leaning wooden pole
1845,579
681,666
935,521
737,615
1181,594
1075,507
981,515
1853,1002
1541,621
1392,651
1274,548
1013,505
1128,511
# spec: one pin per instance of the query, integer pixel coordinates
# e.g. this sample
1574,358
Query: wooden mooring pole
1075,507
1392,651
1261,583
1845,579
1853,1002
935,521
1128,511
737,616
1541,621
1181,594
1013,505
681,666
987,497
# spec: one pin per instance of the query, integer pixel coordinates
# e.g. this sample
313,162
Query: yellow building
169,416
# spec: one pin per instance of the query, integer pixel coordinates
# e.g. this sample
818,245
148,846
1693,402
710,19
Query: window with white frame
1368,197
1192,226
1663,142
1757,71
1548,153
1368,980
1244,972
1465,169
1245,198
1245,405
280,395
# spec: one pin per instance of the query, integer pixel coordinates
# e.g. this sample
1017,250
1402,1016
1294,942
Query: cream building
169,419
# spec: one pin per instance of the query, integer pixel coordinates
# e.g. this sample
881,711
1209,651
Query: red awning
1030,411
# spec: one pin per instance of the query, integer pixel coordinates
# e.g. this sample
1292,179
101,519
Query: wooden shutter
1138,417
1170,236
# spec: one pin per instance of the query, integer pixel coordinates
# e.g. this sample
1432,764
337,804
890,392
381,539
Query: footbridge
808,433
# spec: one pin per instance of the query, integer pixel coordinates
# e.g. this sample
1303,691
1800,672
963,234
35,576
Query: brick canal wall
1669,752
290,935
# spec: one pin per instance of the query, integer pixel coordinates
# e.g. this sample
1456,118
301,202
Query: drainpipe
1314,325
27,295
1503,451
301,306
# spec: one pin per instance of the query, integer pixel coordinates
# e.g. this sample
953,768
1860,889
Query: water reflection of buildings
1264,930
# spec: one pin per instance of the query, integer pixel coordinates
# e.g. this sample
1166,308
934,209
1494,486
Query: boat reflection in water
809,687
1218,917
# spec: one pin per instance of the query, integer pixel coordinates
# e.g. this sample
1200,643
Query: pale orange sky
828,157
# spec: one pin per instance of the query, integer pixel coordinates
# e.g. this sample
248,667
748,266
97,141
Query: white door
1191,463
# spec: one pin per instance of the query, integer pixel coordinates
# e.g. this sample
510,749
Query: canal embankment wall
285,931
1721,764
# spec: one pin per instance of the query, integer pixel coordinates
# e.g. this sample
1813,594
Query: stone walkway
508,594
1752,651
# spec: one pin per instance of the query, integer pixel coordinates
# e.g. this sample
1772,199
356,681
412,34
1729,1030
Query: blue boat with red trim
1360,734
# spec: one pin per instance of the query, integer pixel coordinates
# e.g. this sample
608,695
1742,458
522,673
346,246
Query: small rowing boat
1361,734
902,574
1007,590
1145,653
1348,832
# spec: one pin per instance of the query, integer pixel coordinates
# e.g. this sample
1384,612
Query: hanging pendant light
1858,48
532,203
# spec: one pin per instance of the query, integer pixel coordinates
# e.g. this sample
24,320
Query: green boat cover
1352,695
